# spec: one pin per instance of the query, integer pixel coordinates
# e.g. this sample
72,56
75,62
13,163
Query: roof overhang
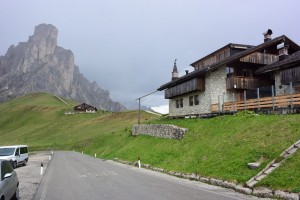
230,45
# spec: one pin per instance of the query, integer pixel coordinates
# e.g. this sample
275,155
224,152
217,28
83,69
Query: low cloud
161,109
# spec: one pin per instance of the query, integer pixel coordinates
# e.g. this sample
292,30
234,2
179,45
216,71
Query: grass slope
39,121
220,147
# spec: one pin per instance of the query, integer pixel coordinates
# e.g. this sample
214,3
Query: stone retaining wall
259,192
159,130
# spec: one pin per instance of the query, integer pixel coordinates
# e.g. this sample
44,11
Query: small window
196,99
177,103
191,100
222,56
227,53
181,103
23,150
216,57
229,71
17,152
246,73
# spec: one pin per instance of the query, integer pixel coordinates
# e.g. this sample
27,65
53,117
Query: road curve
72,175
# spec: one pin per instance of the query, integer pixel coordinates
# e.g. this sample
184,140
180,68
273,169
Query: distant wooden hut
85,108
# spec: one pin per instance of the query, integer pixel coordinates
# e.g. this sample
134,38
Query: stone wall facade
159,130
215,91
282,89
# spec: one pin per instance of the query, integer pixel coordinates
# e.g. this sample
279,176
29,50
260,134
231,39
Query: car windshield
7,151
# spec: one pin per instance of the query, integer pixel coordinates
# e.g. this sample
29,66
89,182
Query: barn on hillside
85,108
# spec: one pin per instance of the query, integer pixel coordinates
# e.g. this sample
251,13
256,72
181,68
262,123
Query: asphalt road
72,175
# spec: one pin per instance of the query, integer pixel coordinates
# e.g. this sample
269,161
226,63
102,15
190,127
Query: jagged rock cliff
39,65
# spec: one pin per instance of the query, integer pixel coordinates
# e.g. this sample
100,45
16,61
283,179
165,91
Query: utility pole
139,113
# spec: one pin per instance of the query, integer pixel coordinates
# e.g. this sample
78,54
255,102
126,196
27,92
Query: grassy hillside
39,121
220,147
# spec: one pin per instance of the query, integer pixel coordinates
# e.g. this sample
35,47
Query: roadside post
42,168
50,156
139,162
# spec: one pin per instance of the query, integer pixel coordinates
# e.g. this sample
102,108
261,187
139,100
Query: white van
17,154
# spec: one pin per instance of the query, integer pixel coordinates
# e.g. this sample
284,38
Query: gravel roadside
30,175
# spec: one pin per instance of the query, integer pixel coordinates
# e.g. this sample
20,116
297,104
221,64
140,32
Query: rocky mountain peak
44,41
45,32
39,65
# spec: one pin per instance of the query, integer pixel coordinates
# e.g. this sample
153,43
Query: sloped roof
230,45
230,59
292,60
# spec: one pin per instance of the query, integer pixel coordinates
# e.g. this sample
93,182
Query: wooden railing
261,103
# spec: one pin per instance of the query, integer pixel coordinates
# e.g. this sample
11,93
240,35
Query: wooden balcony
260,58
196,84
245,83
290,75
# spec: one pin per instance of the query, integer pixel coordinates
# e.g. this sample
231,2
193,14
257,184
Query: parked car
17,154
9,183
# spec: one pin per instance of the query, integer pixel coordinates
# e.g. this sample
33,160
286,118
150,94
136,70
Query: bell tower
175,72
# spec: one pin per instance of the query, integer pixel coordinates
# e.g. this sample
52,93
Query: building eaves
293,59
239,55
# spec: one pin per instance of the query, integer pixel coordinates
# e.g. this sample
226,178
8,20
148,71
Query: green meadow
219,147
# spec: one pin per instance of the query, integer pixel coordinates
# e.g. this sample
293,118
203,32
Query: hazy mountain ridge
39,65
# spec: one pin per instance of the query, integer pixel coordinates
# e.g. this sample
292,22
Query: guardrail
286,101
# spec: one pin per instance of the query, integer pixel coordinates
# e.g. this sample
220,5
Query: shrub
247,113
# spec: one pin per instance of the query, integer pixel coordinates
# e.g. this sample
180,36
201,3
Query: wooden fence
286,101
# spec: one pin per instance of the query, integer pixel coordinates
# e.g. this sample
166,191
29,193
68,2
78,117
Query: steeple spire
175,72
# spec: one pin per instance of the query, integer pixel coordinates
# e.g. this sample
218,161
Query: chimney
283,51
175,72
186,72
268,35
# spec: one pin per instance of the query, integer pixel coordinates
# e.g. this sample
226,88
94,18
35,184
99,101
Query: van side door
24,154
18,157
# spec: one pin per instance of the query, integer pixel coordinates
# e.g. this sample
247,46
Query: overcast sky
128,46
